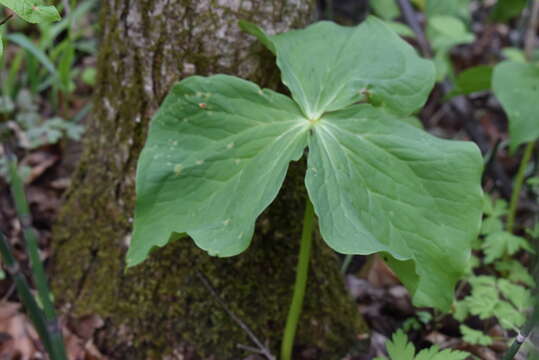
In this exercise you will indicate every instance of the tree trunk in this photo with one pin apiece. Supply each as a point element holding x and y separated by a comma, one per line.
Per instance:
<point>161,309</point>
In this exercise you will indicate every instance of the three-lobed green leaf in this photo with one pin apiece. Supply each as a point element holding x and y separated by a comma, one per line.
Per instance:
<point>219,147</point>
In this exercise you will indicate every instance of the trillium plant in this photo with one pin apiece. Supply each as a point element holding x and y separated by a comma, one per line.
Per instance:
<point>219,148</point>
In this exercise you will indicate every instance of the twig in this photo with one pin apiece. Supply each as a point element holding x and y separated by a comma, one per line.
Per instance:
<point>6,19</point>
<point>249,348</point>
<point>261,348</point>
<point>411,18</point>
<point>529,43</point>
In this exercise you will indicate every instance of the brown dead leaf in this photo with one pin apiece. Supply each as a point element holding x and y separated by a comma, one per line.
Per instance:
<point>21,341</point>
<point>38,162</point>
<point>380,275</point>
<point>86,326</point>
<point>78,338</point>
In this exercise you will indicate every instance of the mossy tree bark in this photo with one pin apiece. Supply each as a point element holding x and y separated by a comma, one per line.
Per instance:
<point>161,309</point>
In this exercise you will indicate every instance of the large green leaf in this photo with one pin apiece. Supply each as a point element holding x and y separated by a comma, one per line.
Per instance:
<point>216,156</point>
<point>219,147</point>
<point>328,67</point>
<point>33,11</point>
<point>378,184</point>
<point>516,85</point>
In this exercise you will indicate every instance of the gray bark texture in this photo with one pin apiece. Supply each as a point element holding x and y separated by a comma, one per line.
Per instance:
<point>161,309</point>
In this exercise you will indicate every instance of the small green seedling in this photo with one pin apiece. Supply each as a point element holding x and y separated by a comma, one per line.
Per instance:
<point>399,348</point>
<point>219,148</point>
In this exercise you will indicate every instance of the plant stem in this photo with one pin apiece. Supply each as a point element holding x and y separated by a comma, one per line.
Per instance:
<point>302,273</point>
<point>519,180</point>
<point>38,271</point>
<point>346,263</point>
<point>6,19</point>
<point>409,15</point>
<point>25,295</point>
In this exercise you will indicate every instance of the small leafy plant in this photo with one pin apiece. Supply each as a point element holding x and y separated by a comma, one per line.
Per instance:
<point>497,287</point>
<point>399,348</point>
<point>40,307</point>
<point>219,147</point>
<point>505,293</point>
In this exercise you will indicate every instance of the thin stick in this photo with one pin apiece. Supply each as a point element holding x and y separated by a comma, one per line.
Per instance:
<point>529,43</point>
<point>411,18</point>
<point>261,348</point>
<point>6,19</point>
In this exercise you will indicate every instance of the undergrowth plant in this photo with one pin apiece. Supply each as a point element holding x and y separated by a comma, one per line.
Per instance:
<point>41,307</point>
<point>42,70</point>
<point>399,348</point>
<point>497,285</point>
<point>219,147</point>
<point>32,11</point>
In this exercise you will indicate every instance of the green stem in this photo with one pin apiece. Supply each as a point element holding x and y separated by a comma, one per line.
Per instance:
<point>25,295</point>
<point>517,186</point>
<point>38,271</point>
<point>302,273</point>
<point>346,263</point>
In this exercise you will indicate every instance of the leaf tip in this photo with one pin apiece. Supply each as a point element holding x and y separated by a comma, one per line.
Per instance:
<point>257,32</point>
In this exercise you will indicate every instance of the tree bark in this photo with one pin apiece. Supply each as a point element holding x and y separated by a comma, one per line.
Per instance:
<point>161,309</point>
